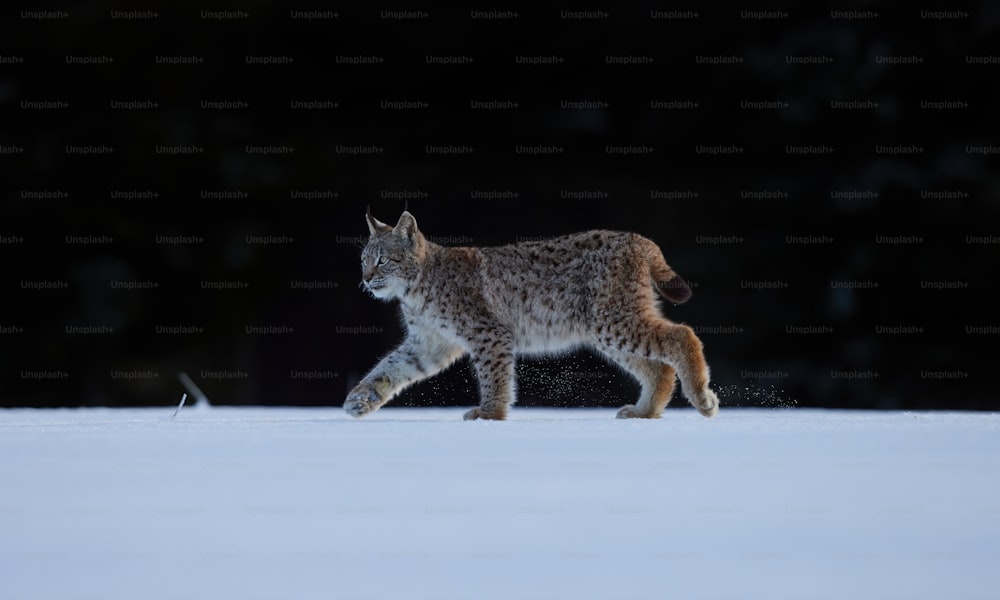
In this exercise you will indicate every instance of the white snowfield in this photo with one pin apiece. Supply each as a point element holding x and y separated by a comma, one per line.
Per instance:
<point>256,503</point>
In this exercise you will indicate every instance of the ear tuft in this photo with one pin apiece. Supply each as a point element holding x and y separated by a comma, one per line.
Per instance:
<point>374,225</point>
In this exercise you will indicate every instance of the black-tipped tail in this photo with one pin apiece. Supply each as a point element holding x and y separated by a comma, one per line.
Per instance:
<point>674,289</point>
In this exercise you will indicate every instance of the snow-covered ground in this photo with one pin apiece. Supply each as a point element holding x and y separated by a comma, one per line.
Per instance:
<point>555,503</point>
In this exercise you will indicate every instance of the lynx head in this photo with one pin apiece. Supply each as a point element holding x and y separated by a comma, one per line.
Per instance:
<point>393,257</point>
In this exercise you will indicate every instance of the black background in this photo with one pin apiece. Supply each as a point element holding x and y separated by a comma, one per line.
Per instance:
<point>779,324</point>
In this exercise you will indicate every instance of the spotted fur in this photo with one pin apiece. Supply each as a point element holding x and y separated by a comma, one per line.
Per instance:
<point>595,289</point>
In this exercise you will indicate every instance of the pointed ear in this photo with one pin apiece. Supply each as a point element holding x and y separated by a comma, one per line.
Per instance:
<point>407,225</point>
<point>374,225</point>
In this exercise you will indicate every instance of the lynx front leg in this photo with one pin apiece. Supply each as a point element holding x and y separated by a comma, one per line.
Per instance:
<point>495,366</point>
<point>418,357</point>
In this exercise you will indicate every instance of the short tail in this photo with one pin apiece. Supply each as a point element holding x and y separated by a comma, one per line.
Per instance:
<point>669,284</point>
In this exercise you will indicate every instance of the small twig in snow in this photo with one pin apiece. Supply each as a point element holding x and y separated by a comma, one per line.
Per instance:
<point>200,399</point>
<point>180,406</point>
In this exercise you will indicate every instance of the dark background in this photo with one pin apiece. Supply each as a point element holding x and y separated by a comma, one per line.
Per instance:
<point>915,233</point>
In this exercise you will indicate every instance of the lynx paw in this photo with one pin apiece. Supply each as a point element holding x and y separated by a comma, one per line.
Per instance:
<point>707,403</point>
<point>630,411</point>
<point>481,413</point>
<point>361,401</point>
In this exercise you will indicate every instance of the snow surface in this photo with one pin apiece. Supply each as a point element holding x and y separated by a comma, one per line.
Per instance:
<point>555,503</point>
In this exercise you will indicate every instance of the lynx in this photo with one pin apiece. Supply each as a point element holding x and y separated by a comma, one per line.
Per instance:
<point>595,289</point>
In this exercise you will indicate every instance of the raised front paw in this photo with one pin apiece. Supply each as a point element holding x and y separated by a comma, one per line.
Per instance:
<point>362,400</point>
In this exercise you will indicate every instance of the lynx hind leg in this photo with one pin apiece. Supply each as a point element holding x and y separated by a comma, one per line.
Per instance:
<point>657,381</point>
<point>657,339</point>
<point>682,348</point>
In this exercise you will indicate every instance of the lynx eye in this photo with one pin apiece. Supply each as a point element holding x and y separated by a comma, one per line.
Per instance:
<point>382,260</point>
